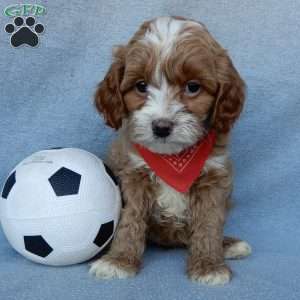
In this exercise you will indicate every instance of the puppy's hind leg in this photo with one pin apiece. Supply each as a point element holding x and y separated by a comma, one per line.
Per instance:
<point>170,237</point>
<point>235,248</point>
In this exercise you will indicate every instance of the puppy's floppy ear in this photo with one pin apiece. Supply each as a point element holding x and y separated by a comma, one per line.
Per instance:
<point>108,98</point>
<point>230,95</point>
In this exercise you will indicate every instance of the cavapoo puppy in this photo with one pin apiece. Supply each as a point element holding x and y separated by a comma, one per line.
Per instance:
<point>173,94</point>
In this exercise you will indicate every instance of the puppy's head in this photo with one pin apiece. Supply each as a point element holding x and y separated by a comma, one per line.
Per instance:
<point>170,84</point>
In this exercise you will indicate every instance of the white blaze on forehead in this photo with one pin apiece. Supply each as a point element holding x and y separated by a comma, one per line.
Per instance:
<point>164,31</point>
<point>163,34</point>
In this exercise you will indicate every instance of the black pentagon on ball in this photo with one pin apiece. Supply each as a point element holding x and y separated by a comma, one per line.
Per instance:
<point>65,182</point>
<point>104,234</point>
<point>10,182</point>
<point>37,245</point>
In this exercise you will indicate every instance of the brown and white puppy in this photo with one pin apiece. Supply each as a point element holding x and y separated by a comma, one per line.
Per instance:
<point>164,90</point>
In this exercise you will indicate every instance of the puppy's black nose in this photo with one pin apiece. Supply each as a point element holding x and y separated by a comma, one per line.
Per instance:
<point>162,127</point>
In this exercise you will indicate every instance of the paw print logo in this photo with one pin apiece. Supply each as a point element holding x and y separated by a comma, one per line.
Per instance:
<point>24,32</point>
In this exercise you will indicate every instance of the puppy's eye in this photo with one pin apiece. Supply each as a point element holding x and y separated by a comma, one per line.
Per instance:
<point>192,88</point>
<point>141,87</point>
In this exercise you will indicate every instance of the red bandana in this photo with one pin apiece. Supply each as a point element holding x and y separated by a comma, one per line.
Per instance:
<point>180,170</point>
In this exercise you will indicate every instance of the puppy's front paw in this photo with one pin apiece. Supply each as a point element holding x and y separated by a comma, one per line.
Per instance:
<point>217,275</point>
<point>105,268</point>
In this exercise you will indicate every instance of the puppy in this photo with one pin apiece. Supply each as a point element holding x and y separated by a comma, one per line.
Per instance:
<point>171,91</point>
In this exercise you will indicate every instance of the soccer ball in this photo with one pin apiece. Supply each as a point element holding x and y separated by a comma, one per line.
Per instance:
<point>60,206</point>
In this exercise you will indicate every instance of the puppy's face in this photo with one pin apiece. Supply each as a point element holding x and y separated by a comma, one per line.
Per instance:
<point>171,83</point>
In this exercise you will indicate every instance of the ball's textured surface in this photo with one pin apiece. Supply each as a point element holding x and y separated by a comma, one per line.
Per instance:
<point>60,206</point>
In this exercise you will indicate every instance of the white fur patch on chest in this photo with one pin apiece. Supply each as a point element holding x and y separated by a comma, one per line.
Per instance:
<point>172,203</point>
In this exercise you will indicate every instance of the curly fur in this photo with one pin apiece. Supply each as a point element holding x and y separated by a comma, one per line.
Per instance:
<point>167,52</point>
